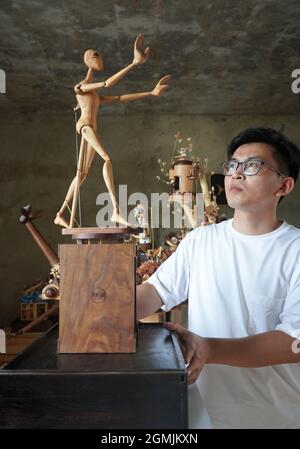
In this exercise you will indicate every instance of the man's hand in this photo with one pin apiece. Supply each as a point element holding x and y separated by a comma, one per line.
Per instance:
<point>140,56</point>
<point>265,349</point>
<point>196,350</point>
<point>161,86</point>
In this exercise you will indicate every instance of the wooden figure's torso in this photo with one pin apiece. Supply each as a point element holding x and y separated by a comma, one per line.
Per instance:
<point>89,104</point>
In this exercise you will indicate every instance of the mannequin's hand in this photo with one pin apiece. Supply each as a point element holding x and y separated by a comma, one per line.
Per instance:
<point>140,56</point>
<point>196,350</point>
<point>161,86</point>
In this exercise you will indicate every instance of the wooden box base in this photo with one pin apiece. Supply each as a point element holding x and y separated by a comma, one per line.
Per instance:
<point>97,305</point>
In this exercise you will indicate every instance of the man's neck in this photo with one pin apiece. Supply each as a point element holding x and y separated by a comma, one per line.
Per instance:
<point>255,223</point>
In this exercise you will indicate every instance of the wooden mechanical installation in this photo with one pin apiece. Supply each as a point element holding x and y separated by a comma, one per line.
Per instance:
<point>183,174</point>
<point>97,288</point>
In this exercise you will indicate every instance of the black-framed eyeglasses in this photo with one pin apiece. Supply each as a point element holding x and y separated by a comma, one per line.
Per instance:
<point>250,167</point>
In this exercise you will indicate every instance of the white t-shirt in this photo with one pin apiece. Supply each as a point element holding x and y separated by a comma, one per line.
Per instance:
<point>240,285</point>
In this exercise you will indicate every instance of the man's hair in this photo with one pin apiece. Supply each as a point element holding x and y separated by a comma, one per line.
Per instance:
<point>286,153</point>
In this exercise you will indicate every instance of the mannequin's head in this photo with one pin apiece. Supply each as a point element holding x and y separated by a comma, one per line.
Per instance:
<point>93,60</point>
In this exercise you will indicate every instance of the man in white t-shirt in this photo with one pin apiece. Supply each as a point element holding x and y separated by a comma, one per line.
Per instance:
<point>242,281</point>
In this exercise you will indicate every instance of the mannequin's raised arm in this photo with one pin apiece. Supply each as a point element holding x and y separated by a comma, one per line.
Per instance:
<point>140,56</point>
<point>124,98</point>
<point>114,79</point>
<point>82,88</point>
<point>160,87</point>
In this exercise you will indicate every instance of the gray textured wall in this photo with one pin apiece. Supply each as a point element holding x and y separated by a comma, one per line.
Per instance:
<point>38,162</point>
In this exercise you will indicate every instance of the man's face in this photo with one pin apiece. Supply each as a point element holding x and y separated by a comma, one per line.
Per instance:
<point>251,193</point>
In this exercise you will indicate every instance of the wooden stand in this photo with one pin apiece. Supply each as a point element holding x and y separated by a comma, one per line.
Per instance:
<point>97,306</point>
<point>41,389</point>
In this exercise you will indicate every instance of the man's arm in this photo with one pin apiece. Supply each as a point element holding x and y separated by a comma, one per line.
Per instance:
<point>148,300</point>
<point>268,348</point>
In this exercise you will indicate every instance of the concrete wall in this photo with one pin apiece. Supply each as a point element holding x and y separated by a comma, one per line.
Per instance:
<point>38,162</point>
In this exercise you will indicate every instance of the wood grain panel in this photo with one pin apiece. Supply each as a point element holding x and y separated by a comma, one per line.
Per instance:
<point>97,306</point>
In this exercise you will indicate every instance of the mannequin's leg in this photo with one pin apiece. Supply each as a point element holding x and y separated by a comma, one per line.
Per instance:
<point>80,166</point>
<point>88,159</point>
<point>93,139</point>
<point>90,153</point>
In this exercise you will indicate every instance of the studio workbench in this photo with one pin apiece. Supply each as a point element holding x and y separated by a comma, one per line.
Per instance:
<point>42,389</point>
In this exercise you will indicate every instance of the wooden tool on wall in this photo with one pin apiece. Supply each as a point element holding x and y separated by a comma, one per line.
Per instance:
<point>26,218</point>
<point>27,215</point>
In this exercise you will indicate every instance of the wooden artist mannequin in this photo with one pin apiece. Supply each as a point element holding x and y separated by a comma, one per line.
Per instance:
<point>89,102</point>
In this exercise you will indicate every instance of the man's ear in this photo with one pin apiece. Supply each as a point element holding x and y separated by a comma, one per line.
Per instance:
<point>287,186</point>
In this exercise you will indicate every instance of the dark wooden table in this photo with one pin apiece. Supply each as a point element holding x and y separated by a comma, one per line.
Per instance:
<point>143,390</point>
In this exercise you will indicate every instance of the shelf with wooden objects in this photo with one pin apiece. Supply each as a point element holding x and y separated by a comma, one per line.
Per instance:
<point>16,343</point>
